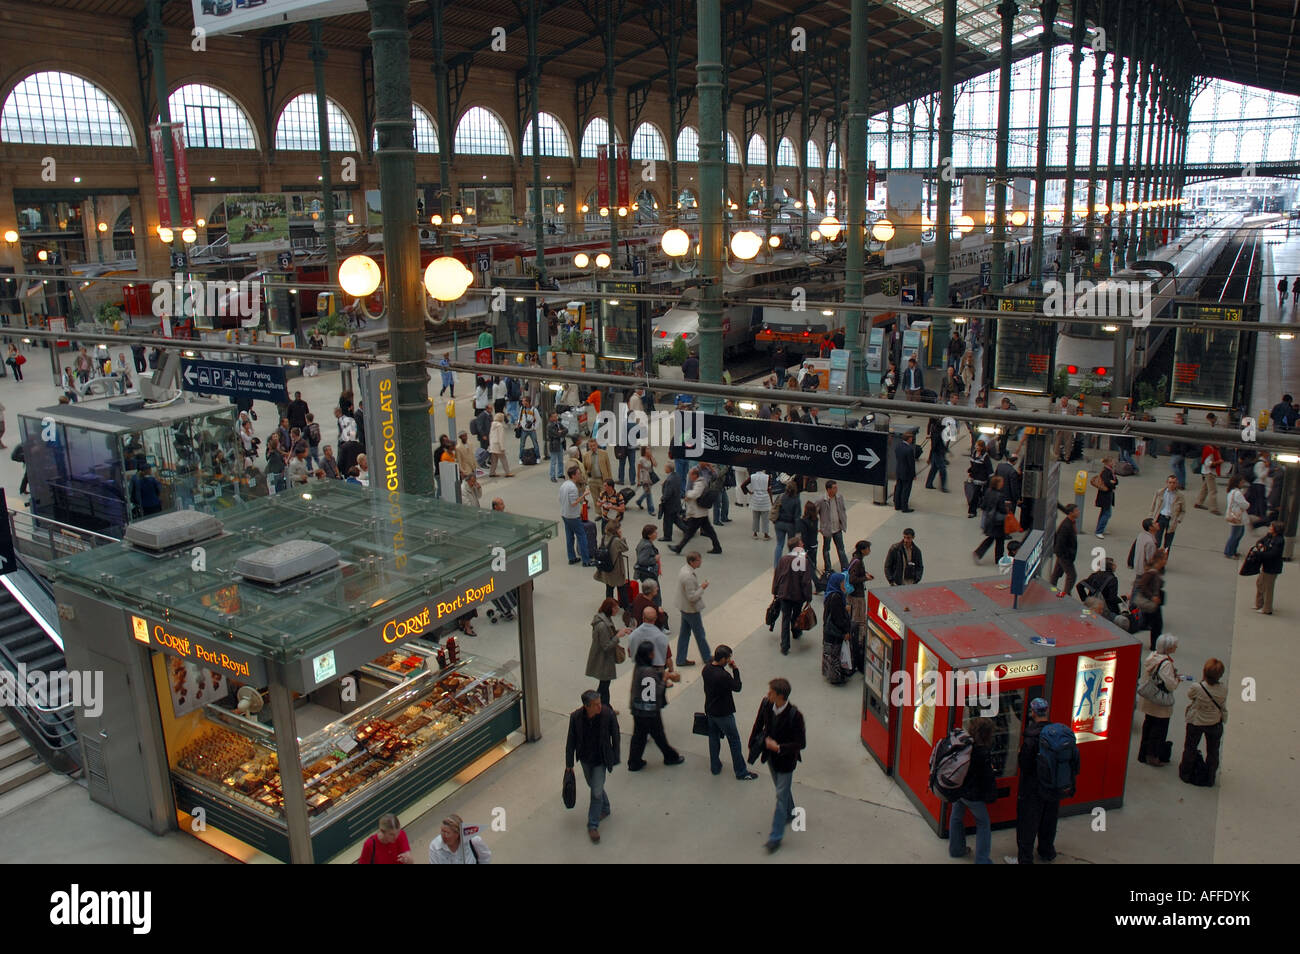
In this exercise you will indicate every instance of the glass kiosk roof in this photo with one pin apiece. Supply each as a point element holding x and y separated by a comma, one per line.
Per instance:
<point>392,553</point>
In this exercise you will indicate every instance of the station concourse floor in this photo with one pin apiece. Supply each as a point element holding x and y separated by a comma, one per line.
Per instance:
<point>854,812</point>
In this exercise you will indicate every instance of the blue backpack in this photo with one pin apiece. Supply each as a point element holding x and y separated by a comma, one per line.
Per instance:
<point>1058,761</point>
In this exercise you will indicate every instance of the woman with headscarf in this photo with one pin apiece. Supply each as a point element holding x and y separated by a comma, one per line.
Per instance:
<point>837,626</point>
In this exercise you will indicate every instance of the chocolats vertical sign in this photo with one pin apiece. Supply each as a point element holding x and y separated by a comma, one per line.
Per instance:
<point>384,450</point>
<point>805,449</point>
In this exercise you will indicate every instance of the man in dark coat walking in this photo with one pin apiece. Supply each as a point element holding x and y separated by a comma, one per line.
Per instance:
<point>904,471</point>
<point>779,738</point>
<point>594,741</point>
<point>670,502</point>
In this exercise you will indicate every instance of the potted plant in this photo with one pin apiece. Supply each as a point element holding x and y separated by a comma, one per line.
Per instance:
<point>109,314</point>
<point>333,329</point>
<point>669,361</point>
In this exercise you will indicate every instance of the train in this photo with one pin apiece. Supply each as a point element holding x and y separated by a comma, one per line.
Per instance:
<point>1147,289</point>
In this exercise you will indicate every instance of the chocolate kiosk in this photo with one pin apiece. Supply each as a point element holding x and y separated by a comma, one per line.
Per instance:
<point>278,678</point>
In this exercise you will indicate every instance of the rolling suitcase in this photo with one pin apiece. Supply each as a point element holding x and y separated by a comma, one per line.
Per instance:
<point>593,540</point>
<point>529,457</point>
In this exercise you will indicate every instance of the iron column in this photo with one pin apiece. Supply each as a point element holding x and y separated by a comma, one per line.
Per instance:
<point>1007,10</point>
<point>856,191</point>
<point>1072,137</point>
<point>1040,170</point>
<point>712,156</point>
<point>943,214</point>
<point>326,176</point>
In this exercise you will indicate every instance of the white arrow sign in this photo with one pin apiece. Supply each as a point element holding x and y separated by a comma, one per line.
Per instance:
<point>870,457</point>
<point>189,375</point>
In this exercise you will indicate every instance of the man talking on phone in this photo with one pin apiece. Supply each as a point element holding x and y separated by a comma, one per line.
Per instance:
<point>720,708</point>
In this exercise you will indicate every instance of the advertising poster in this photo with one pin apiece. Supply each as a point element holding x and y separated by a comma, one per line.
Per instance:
<point>232,16</point>
<point>257,222</point>
<point>903,208</point>
<point>923,716</point>
<point>192,686</point>
<point>494,205</point>
<point>374,209</point>
<point>1094,694</point>
<point>602,177</point>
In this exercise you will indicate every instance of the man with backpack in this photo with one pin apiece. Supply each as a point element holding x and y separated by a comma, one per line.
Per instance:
<point>528,422</point>
<point>1049,764</point>
<point>705,486</point>
<point>961,772</point>
<point>514,393</point>
<point>313,440</point>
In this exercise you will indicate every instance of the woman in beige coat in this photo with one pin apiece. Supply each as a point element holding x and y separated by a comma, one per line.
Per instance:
<point>497,446</point>
<point>1207,713</point>
<point>1158,667</point>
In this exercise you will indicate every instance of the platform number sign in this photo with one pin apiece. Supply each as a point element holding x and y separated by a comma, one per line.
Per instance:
<point>178,261</point>
<point>483,261</point>
<point>284,260</point>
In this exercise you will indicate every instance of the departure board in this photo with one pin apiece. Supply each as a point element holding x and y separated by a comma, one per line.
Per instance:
<point>1024,350</point>
<point>1205,359</point>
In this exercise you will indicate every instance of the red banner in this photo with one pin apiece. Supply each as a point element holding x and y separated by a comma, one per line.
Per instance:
<point>182,176</point>
<point>624,200</point>
<point>160,175</point>
<point>602,176</point>
<point>871,179</point>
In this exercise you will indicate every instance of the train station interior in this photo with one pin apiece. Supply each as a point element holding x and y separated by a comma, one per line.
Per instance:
<point>816,246</point>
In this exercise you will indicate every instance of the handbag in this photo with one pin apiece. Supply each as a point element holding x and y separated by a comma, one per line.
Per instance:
<point>700,725</point>
<point>1153,689</point>
<point>807,618</point>
<point>969,487</point>
<point>654,477</point>
<point>773,613</point>
<point>519,432</point>
<point>569,789</point>
<point>1010,524</point>
<point>1097,482</point>
<point>620,653</point>
<point>1251,565</point>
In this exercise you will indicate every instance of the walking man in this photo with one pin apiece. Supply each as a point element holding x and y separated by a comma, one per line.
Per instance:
<point>832,521</point>
<point>1167,508</point>
<point>1210,460</point>
<point>792,584</point>
<point>690,599</point>
<point>903,563</point>
<point>594,740</point>
<point>1066,548</point>
<point>698,505</point>
<point>904,474</point>
<point>527,424</point>
<point>778,738</point>
<point>555,434</point>
<point>670,502</point>
<point>720,708</point>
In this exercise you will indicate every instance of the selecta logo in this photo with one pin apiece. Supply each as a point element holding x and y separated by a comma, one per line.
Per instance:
<point>1001,671</point>
<point>1015,670</point>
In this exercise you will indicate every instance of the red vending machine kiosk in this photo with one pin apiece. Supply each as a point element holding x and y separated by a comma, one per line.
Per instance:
<point>990,660</point>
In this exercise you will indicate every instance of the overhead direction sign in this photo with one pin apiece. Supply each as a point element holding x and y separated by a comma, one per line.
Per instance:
<point>263,382</point>
<point>806,449</point>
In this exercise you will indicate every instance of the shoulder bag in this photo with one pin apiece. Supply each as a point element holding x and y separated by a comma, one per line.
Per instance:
<point>1153,688</point>
<point>700,725</point>
<point>807,618</point>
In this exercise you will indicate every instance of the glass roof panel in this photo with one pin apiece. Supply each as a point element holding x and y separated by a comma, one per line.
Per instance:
<point>978,21</point>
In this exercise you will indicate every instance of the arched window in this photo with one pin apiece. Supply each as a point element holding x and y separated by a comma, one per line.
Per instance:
<point>814,155</point>
<point>756,152</point>
<point>63,110</point>
<point>554,140</point>
<point>647,208</point>
<point>785,154</point>
<point>733,150</point>
<point>1252,146</point>
<point>830,202</point>
<point>1225,147</point>
<point>832,159</point>
<point>1198,147</point>
<point>426,134</point>
<point>596,134</point>
<point>811,201</point>
<point>648,143</point>
<point>688,145</point>
<point>297,127</point>
<point>1279,144</point>
<point>212,119</point>
<point>878,152</point>
<point>481,133</point>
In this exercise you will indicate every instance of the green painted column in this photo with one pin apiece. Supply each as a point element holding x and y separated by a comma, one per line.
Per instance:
<point>713,147</point>
<point>1072,134</point>
<point>940,325</point>
<point>805,76</point>
<point>1091,219</point>
<point>1121,251</point>
<point>1139,179</point>
<point>539,224</point>
<point>404,294</point>
<point>317,56</point>
<point>1040,167</point>
<point>1117,82</point>
<point>855,193</point>
<point>769,115</point>
<point>611,87</point>
<point>442,93</point>
<point>1007,10</point>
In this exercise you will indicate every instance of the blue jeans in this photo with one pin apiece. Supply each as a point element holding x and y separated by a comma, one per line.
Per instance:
<point>784,801</point>
<point>957,831</point>
<point>573,528</point>
<point>722,509</point>
<point>827,539</point>
<point>557,465</point>
<point>524,438</point>
<point>648,499</point>
<point>683,470</point>
<point>1234,537</point>
<point>1178,467</point>
<point>622,468</point>
<point>1127,457</point>
<point>780,545</point>
<point>692,622</point>
<point>718,727</point>
<point>512,412</point>
<point>595,776</point>
<point>1103,518</point>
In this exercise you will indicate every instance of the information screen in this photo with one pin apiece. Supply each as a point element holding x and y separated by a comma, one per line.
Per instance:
<point>1205,360</point>
<point>1024,350</point>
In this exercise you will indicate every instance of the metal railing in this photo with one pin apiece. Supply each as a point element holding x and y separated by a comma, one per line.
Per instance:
<point>41,539</point>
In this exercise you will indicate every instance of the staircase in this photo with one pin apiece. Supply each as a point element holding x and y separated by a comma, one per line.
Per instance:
<point>19,763</point>
<point>23,641</point>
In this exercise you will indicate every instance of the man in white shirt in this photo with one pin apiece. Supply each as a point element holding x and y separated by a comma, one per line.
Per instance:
<point>347,426</point>
<point>571,515</point>
<point>649,630</point>
<point>690,606</point>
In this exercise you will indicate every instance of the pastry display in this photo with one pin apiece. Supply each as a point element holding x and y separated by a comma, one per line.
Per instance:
<point>349,760</point>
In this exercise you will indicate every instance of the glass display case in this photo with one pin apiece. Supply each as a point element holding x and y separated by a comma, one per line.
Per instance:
<point>82,462</point>
<point>421,710</point>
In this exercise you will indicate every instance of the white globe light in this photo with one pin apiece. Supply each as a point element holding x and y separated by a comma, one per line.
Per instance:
<point>165,235</point>
<point>622,211</point>
<point>774,241</point>
<point>604,211</point>
<point>676,243</point>
<point>926,221</point>
<point>814,236</point>
<point>435,219</point>
<point>359,275</point>
<point>1019,218</point>
<point>189,236</point>
<point>581,260</point>
<point>602,260</point>
<point>559,208</point>
<point>446,278</point>
<point>830,227</point>
<point>965,223</point>
<point>457,218</point>
<point>745,244</point>
<point>883,230</point>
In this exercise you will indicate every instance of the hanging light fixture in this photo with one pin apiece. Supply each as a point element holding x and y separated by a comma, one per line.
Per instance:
<point>964,224</point>
<point>103,226</point>
<point>675,243</point>
<point>359,275</point>
<point>603,260</point>
<point>165,235</point>
<point>189,236</point>
<point>581,260</point>
<point>814,236</point>
<point>883,230</point>
<point>202,222</point>
<point>774,241</point>
<point>604,211</point>
<point>745,244</point>
<point>11,236</point>
<point>559,208</point>
<point>829,227</point>
<point>1019,218</point>
<point>446,278</point>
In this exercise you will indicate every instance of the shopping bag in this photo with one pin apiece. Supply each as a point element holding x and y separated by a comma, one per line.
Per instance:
<point>846,657</point>
<point>1011,525</point>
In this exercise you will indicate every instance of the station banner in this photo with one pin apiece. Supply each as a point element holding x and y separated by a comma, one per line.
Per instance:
<point>160,175</point>
<point>602,176</point>
<point>871,180</point>
<point>215,17</point>
<point>624,190</point>
<point>903,208</point>
<point>257,222</point>
<point>974,199</point>
<point>1020,195</point>
<point>182,176</point>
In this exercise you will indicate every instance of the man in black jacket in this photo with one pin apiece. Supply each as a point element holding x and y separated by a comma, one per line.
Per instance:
<point>670,502</point>
<point>1066,547</point>
<point>297,412</point>
<point>903,561</point>
<point>904,471</point>
<point>1035,814</point>
<point>594,740</point>
<point>1104,585</point>
<point>778,738</point>
<point>720,708</point>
